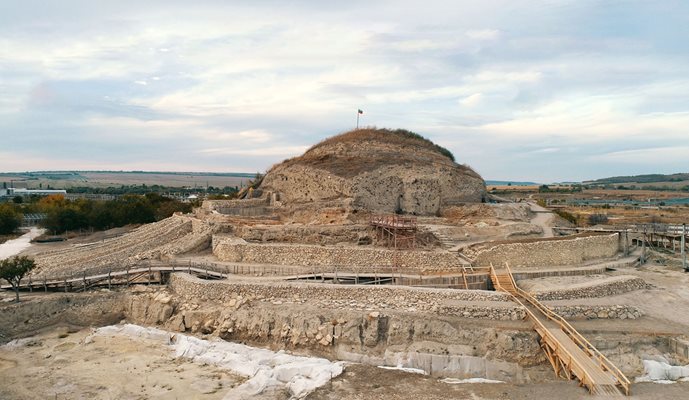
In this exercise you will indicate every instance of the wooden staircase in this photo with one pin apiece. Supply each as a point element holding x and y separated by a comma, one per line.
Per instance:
<point>570,354</point>
<point>502,281</point>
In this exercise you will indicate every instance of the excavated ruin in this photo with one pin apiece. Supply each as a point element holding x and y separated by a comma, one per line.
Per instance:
<point>376,170</point>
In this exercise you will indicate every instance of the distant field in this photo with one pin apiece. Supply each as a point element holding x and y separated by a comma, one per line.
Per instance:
<point>524,188</point>
<point>677,184</point>
<point>66,180</point>
<point>513,188</point>
<point>631,194</point>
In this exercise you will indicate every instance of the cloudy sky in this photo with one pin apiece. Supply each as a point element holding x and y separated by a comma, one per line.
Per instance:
<point>522,90</point>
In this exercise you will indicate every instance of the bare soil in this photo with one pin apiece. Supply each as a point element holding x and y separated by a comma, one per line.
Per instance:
<point>367,382</point>
<point>62,365</point>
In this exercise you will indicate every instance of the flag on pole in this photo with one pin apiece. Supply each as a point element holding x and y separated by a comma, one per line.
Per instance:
<point>360,112</point>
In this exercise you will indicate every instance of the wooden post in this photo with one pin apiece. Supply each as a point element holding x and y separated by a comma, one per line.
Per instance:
<point>149,275</point>
<point>30,287</point>
<point>84,281</point>
<point>126,277</point>
<point>109,278</point>
<point>65,285</point>
<point>45,285</point>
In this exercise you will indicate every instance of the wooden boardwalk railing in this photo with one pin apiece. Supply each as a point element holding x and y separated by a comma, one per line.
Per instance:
<point>156,271</point>
<point>570,354</point>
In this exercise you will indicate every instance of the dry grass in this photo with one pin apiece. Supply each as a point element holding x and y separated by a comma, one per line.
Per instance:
<point>628,215</point>
<point>350,165</point>
<point>641,195</point>
<point>513,188</point>
<point>400,137</point>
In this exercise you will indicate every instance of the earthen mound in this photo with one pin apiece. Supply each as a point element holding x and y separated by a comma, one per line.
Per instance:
<point>376,170</point>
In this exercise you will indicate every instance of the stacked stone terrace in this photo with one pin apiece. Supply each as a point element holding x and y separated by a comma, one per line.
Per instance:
<point>551,252</point>
<point>175,235</point>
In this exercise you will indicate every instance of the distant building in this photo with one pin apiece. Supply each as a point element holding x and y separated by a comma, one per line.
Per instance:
<point>90,196</point>
<point>12,192</point>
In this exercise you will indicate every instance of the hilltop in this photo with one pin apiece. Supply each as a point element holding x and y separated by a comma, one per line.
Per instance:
<point>647,178</point>
<point>378,170</point>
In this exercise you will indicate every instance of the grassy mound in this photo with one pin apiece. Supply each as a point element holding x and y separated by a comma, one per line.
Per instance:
<point>401,137</point>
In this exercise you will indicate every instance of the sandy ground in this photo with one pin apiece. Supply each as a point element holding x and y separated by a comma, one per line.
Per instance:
<point>366,382</point>
<point>569,282</point>
<point>58,365</point>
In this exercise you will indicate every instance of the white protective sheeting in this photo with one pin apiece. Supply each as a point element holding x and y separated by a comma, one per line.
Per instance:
<point>267,370</point>
<point>15,246</point>
<point>663,372</point>
<point>405,369</point>
<point>455,381</point>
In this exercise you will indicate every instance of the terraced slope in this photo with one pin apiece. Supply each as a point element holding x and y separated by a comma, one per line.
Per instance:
<point>175,235</point>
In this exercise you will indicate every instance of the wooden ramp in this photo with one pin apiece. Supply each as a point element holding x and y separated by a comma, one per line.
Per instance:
<point>570,354</point>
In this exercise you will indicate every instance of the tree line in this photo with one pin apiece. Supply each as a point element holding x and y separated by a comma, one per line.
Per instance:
<point>69,215</point>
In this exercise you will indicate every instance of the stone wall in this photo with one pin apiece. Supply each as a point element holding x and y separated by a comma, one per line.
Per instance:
<point>549,253</point>
<point>441,301</point>
<point>245,208</point>
<point>307,234</point>
<point>233,249</point>
<point>608,287</point>
<point>598,312</point>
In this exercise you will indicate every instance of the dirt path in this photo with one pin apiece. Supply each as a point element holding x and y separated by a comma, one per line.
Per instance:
<point>542,218</point>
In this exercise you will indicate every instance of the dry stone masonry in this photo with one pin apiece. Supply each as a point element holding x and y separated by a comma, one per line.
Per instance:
<point>548,253</point>
<point>354,297</point>
<point>595,288</point>
<point>598,312</point>
<point>233,249</point>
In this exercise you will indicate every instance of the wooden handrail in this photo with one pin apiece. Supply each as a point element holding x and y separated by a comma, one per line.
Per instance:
<point>578,338</point>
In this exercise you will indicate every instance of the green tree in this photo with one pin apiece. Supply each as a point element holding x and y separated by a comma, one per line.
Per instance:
<point>13,270</point>
<point>10,219</point>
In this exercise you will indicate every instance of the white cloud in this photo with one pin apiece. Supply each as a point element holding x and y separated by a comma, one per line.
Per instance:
<point>471,101</point>
<point>281,151</point>
<point>484,34</point>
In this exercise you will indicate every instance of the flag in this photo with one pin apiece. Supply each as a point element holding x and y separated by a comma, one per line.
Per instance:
<point>361,112</point>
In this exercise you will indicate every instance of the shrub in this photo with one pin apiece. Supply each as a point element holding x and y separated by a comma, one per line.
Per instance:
<point>10,219</point>
<point>595,219</point>
<point>567,216</point>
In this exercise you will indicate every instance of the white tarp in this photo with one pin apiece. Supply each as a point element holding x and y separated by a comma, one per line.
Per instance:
<point>455,381</point>
<point>16,246</point>
<point>266,369</point>
<point>663,372</point>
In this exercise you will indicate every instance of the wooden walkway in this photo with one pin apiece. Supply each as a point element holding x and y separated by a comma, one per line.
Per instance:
<point>570,354</point>
<point>142,274</point>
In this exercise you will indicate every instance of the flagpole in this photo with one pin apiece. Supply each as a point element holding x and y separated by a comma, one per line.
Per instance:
<point>357,119</point>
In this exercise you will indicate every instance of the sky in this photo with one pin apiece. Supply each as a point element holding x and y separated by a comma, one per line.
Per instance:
<point>537,90</point>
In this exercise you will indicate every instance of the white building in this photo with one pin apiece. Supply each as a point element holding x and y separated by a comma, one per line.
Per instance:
<point>11,192</point>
